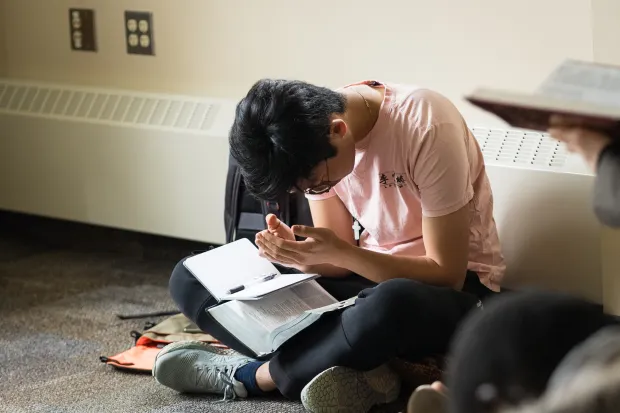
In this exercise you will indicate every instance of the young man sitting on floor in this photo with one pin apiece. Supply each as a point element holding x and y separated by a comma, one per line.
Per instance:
<point>403,162</point>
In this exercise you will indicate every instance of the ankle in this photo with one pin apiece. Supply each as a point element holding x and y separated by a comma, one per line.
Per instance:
<point>264,380</point>
<point>256,384</point>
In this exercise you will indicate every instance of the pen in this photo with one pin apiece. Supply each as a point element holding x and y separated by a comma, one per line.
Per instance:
<point>257,281</point>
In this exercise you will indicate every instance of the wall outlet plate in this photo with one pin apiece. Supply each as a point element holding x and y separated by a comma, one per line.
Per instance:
<point>139,33</point>
<point>82,30</point>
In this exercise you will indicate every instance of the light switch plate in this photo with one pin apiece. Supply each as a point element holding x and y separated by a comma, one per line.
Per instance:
<point>82,30</point>
<point>139,33</point>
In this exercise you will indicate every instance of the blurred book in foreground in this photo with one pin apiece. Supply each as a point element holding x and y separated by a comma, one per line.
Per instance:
<point>588,93</point>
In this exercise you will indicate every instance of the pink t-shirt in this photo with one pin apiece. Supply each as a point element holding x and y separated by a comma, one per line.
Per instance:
<point>420,159</point>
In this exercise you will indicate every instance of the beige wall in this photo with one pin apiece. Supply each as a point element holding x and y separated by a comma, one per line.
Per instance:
<point>220,47</point>
<point>3,54</point>
<point>606,30</point>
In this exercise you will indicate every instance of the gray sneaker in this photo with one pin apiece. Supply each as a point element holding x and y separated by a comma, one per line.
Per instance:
<point>343,390</point>
<point>195,367</point>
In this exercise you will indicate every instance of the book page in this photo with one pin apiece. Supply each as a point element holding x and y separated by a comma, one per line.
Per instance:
<point>584,82</point>
<point>270,314</point>
<point>281,307</point>
<point>285,332</point>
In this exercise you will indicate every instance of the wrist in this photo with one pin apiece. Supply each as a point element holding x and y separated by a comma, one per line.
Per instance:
<point>345,253</point>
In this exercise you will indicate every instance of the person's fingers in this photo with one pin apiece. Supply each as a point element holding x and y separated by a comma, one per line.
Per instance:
<point>270,258</point>
<point>568,135</point>
<point>556,132</point>
<point>565,121</point>
<point>274,258</point>
<point>292,246</point>
<point>308,232</point>
<point>277,227</point>
<point>276,252</point>
<point>275,261</point>
<point>266,246</point>
<point>262,253</point>
<point>272,222</point>
<point>259,234</point>
<point>573,136</point>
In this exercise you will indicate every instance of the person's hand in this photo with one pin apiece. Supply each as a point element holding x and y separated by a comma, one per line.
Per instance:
<point>276,228</point>
<point>587,143</point>
<point>279,228</point>
<point>321,246</point>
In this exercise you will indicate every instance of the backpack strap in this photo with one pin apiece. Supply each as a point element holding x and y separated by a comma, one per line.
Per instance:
<point>231,199</point>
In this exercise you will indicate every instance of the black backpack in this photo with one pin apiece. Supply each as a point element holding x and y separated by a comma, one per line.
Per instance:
<point>244,215</point>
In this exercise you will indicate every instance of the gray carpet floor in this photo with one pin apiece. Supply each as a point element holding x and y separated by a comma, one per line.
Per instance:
<point>58,307</point>
<point>58,315</point>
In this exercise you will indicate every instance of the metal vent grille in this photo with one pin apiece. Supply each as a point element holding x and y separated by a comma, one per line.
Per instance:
<point>520,148</point>
<point>126,108</point>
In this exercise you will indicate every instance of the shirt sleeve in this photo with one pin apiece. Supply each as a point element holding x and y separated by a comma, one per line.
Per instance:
<point>441,170</point>
<point>607,186</point>
<point>320,197</point>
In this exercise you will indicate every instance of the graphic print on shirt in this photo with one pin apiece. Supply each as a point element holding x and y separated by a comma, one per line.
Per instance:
<point>391,179</point>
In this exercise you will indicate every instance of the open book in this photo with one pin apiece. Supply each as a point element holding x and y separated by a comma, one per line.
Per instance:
<point>257,304</point>
<point>587,92</point>
<point>264,325</point>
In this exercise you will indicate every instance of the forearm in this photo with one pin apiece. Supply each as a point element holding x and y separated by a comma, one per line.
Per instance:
<point>380,267</point>
<point>607,186</point>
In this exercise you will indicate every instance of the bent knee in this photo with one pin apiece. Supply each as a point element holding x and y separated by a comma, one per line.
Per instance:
<point>185,290</point>
<point>190,296</point>
<point>396,296</point>
<point>399,289</point>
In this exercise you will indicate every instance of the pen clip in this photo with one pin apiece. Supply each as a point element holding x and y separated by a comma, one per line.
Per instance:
<point>266,277</point>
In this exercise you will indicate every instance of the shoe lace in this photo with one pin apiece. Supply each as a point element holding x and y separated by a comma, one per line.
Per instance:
<point>218,379</point>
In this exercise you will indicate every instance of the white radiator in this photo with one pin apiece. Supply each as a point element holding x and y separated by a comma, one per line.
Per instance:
<point>157,164</point>
<point>543,209</point>
<point>146,162</point>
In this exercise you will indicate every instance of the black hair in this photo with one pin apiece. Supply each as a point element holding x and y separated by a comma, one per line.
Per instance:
<point>512,347</point>
<point>281,133</point>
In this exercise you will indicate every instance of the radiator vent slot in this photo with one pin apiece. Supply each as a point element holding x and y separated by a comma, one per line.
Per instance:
<point>121,108</point>
<point>520,148</point>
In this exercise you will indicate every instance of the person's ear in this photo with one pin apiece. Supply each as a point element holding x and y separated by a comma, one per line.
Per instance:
<point>338,128</point>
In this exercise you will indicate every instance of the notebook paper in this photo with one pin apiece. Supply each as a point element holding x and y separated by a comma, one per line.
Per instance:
<point>229,266</point>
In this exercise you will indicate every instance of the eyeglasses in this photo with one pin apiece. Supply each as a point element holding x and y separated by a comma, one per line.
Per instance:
<point>323,187</point>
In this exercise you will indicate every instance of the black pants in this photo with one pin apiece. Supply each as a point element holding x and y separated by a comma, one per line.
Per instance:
<point>506,354</point>
<point>397,318</point>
